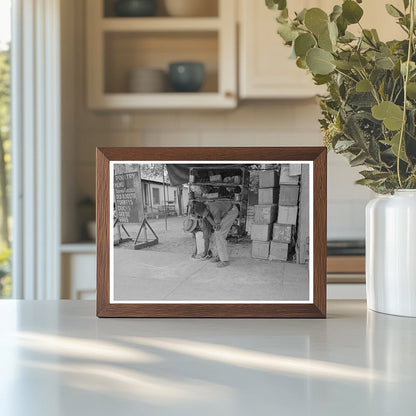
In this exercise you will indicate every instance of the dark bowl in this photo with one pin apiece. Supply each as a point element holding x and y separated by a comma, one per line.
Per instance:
<point>186,76</point>
<point>135,8</point>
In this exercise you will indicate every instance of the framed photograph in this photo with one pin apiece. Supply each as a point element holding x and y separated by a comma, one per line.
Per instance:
<point>211,232</point>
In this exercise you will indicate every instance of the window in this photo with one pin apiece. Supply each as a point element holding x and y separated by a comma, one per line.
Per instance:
<point>5,159</point>
<point>156,196</point>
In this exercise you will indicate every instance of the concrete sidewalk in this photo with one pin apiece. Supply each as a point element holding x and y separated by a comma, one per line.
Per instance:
<point>158,275</point>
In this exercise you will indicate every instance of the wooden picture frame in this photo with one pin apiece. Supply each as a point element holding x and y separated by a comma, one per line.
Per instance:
<point>313,307</point>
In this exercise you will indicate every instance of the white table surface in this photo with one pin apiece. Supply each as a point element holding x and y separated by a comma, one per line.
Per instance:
<point>57,358</point>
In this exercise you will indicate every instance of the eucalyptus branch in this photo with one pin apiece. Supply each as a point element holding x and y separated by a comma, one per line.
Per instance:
<point>346,75</point>
<point>392,90</point>
<point>406,80</point>
<point>373,88</point>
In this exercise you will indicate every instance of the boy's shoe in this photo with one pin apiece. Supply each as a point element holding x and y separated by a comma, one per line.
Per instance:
<point>215,260</point>
<point>223,264</point>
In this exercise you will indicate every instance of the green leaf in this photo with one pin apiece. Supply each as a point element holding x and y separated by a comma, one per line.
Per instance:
<point>351,11</point>
<point>374,175</point>
<point>375,35</point>
<point>354,132</point>
<point>320,61</point>
<point>394,144</point>
<point>303,43</point>
<point>336,12</point>
<point>358,61</point>
<point>374,150</point>
<point>343,145</point>
<point>301,63</point>
<point>333,32</point>
<point>368,36</point>
<point>412,67</point>
<point>358,160</point>
<point>301,15</point>
<point>344,65</point>
<point>411,90</point>
<point>384,62</point>
<point>325,42</point>
<point>316,20</point>
<point>388,112</point>
<point>406,4</point>
<point>276,4</point>
<point>363,86</point>
<point>287,33</point>
<point>321,79</point>
<point>347,37</point>
<point>365,182</point>
<point>393,11</point>
<point>342,25</point>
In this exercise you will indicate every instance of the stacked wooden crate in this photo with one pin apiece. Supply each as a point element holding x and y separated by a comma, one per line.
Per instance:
<point>285,228</point>
<point>265,214</point>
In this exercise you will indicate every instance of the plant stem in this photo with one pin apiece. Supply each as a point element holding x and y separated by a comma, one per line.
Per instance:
<point>406,80</point>
<point>346,75</point>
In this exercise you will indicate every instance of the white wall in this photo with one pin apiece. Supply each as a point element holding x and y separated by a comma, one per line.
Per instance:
<point>256,123</point>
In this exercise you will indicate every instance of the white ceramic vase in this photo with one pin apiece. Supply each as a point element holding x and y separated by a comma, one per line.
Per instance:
<point>391,253</point>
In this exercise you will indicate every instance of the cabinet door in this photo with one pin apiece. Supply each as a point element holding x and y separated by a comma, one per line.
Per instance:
<point>78,276</point>
<point>265,68</point>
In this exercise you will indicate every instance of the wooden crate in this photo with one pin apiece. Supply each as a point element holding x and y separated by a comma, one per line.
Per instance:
<point>289,195</point>
<point>250,219</point>
<point>261,232</point>
<point>279,251</point>
<point>283,233</point>
<point>265,214</point>
<point>285,177</point>
<point>287,215</point>
<point>268,179</point>
<point>260,249</point>
<point>295,169</point>
<point>268,196</point>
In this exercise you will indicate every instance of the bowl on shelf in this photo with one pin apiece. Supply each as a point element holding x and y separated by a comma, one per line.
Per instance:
<point>147,80</point>
<point>191,8</point>
<point>135,8</point>
<point>186,76</point>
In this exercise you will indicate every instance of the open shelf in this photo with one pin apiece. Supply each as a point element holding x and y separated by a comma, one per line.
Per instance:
<point>168,100</point>
<point>116,46</point>
<point>210,9</point>
<point>80,247</point>
<point>126,51</point>
<point>160,24</point>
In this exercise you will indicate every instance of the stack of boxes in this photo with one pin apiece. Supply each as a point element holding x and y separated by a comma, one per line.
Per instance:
<point>275,217</point>
<point>265,214</point>
<point>285,227</point>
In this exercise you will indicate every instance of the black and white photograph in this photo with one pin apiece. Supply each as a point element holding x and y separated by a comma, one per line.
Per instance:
<point>211,232</point>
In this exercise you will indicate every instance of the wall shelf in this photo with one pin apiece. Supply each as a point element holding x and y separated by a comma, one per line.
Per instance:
<point>81,247</point>
<point>166,100</point>
<point>160,24</point>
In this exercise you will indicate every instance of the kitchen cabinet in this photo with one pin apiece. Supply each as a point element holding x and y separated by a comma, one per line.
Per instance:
<point>265,69</point>
<point>78,281</point>
<point>118,45</point>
